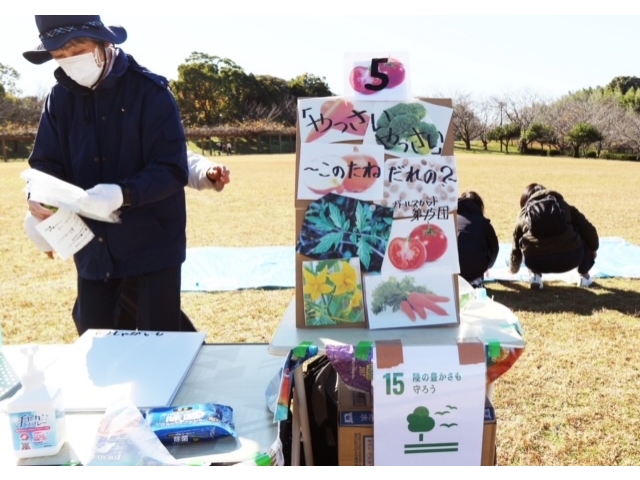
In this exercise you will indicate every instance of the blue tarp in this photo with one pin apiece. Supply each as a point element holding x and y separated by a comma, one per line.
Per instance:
<point>209,269</point>
<point>616,258</point>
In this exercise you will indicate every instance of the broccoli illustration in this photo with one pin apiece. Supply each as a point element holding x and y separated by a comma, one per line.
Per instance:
<point>405,122</point>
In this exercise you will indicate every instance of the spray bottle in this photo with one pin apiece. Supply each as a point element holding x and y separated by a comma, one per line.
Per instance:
<point>36,414</point>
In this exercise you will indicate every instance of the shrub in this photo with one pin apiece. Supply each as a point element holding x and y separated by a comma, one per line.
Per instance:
<point>591,154</point>
<point>618,156</point>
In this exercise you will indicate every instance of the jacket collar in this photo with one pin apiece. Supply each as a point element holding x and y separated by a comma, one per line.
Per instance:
<point>467,205</point>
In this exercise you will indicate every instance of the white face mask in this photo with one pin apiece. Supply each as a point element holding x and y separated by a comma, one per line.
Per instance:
<point>84,69</point>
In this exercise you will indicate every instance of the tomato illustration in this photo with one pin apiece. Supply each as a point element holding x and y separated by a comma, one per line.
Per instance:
<point>407,253</point>
<point>363,172</point>
<point>432,238</point>
<point>394,70</point>
<point>361,76</point>
<point>318,175</point>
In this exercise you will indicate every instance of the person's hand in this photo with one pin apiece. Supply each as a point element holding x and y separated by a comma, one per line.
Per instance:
<point>219,176</point>
<point>103,200</point>
<point>39,211</point>
<point>30,222</point>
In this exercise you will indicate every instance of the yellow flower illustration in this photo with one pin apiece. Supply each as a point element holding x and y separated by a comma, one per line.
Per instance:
<point>356,300</point>
<point>346,280</point>
<point>316,285</point>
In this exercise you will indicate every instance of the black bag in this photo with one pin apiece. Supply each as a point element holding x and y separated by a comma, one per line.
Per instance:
<point>545,217</point>
<point>321,386</point>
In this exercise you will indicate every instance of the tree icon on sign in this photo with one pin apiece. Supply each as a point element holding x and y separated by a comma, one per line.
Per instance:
<point>420,421</point>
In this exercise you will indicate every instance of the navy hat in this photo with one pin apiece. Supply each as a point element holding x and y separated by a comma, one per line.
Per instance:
<point>57,30</point>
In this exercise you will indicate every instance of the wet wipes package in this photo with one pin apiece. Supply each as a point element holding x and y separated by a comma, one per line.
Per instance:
<point>191,423</point>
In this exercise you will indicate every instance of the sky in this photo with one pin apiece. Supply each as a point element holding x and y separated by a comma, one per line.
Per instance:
<point>478,54</point>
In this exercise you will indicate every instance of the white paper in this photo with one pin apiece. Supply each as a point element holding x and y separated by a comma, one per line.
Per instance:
<point>144,367</point>
<point>49,190</point>
<point>65,232</point>
<point>429,410</point>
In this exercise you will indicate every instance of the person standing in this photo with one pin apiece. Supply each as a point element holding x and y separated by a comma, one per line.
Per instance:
<point>112,128</point>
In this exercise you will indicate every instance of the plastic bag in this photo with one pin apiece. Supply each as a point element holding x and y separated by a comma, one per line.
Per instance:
<point>124,438</point>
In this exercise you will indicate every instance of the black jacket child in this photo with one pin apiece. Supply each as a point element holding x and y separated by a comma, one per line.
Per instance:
<point>477,241</point>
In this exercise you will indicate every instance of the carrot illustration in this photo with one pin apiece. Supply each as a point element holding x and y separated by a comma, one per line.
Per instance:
<point>406,308</point>
<point>436,298</point>
<point>416,298</point>
<point>419,309</point>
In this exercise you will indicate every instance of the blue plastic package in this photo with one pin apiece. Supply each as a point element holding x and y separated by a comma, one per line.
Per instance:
<point>191,423</point>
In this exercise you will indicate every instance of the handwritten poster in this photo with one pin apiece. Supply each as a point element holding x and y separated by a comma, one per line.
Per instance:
<point>350,170</point>
<point>65,232</point>
<point>429,409</point>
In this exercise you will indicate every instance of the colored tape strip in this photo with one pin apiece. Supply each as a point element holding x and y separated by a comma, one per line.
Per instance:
<point>494,349</point>
<point>363,350</point>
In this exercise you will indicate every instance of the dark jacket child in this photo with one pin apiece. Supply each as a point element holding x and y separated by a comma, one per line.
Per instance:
<point>552,237</point>
<point>477,240</point>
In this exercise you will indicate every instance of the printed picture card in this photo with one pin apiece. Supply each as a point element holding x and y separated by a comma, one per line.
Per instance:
<point>406,300</point>
<point>377,76</point>
<point>328,120</point>
<point>421,185</point>
<point>409,128</point>
<point>339,227</point>
<point>422,244</point>
<point>332,292</point>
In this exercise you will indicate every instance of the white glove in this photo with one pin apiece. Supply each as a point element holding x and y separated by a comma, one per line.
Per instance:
<point>102,200</point>
<point>30,223</point>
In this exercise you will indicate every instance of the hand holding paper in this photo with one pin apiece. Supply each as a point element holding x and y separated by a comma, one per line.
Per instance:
<point>30,223</point>
<point>48,190</point>
<point>102,200</point>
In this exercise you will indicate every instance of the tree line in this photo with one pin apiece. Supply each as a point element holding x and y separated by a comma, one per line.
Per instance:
<point>600,122</point>
<point>214,93</point>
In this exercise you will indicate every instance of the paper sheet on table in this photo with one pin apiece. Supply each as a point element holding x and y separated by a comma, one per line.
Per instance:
<point>49,190</point>
<point>65,232</point>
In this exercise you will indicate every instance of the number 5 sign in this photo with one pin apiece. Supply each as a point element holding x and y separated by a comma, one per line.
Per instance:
<point>377,76</point>
<point>428,404</point>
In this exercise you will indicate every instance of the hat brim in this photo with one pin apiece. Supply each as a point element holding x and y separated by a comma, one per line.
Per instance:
<point>41,53</point>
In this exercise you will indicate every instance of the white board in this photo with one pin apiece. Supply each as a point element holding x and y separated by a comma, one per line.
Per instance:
<point>103,366</point>
<point>429,409</point>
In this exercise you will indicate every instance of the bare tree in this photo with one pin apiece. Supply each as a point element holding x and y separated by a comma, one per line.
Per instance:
<point>522,109</point>
<point>465,122</point>
<point>487,119</point>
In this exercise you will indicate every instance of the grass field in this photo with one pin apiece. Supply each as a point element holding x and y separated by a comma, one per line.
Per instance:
<point>572,398</point>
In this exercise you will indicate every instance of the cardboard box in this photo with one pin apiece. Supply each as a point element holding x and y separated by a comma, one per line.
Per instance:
<point>355,429</point>
<point>489,435</point>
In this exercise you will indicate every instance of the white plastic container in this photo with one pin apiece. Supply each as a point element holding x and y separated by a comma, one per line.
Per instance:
<point>36,415</point>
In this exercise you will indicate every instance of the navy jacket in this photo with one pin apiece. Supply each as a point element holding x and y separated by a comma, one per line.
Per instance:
<point>477,241</point>
<point>126,131</point>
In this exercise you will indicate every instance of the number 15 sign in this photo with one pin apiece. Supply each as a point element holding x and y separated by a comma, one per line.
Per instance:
<point>428,404</point>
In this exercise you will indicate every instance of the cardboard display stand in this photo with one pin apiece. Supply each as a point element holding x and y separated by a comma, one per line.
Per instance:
<point>376,259</point>
<point>302,205</point>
